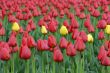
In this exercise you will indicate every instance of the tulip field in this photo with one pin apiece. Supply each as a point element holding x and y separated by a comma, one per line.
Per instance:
<point>54,36</point>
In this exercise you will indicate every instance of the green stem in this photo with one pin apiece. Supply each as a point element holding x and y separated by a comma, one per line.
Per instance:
<point>12,64</point>
<point>5,70</point>
<point>42,64</point>
<point>27,67</point>
<point>53,67</point>
<point>33,64</point>
<point>82,63</point>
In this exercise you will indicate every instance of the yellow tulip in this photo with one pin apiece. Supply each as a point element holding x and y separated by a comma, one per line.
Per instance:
<point>15,26</point>
<point>107,29</point>
<point>90,38</point>
<point>63,30</point>
<point>43,30</point>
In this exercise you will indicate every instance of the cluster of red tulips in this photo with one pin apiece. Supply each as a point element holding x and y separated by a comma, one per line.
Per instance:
<point>69,25</point>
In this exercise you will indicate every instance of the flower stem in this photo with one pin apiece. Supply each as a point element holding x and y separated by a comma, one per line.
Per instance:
<point>33,64</point>
<point>42,64</point>
<point>27,67</point>
<point>53,67</point>
<point>12,64</point>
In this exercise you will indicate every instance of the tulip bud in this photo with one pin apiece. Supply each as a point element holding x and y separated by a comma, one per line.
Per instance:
<point>57,55</point>
<point>63,30</point>
<point>63,42</point>
<point>15,26</point>
<point>51,41</point>
<point>101,35</point>
<point>79,44</point>
<point>70,50</point>
<point>25,52</point>
<point>43,30</point>
<point>102,53</point>
<point>107,29</point>
<point>90,38</point>
<point>4,54</point>
<point>42,45</point>
<point>105,61</point>
<point>101,24</point>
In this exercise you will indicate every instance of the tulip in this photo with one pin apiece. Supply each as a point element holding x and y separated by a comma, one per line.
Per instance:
<point>63,42</point>
<point>91,28</point>
<point>107,29</point>
<point>75,34</point>
<point>30,41</point>
<point>79,44</point>
<point>87,23</point>
<point>25,52</point>
<point>43,30</point>
<point>57,55</point>
<point>28,28</point>
<point>4,54</point>
<point>2,31</point>
<point>32,25</point>
<point>15,49</point>
<point>12,41</point>
<point>63,30</point>
<point>83,36</point>
<point>15,26</point>
<point>90,38</point>
<point>65,23</point>
<point>107,44</point>
<point>101,35</point>
<point>101,24</point>
<point>74,23</point>
<point>70,50</point>
<point>51,41</point>
<point>42,45</point>
<point>105,61</point>
<point>52,27</point>
<point>102,53</point>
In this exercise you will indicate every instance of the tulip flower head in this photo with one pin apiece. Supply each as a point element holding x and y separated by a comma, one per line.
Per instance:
<point>63,30</point>
<point>90,38</point>
<point>107,29</point>
<point>43,30</point>
<point>15,26</point>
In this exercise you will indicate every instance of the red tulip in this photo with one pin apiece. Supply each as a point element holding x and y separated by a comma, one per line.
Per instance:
<point>24,41</point>
<point>79,44</point>
<point>83,36</point>
<point>32,25</point>
<point>101,35</point>
<point>51,41</point>
<point>57,55</point>
<point>104,16</point>
<point>65,23</point>
<point>12,41</point>
<point>63,42</point>
<point>30,41</point>
<point>4,54</point>
<point>21,29</point>
<point>2,31</point>
<point>87,23</point>
<point>107,44</point>
<point>75,34</point>
<point>52,26</point>
<point>15,49</point>
<point>102,53</point>
<point>25,52</point>
<point>105,61</point>
<point>74,23</point>
<point>70,50</point>
<point>91,29</point>
<point>42,45</point>
<point>101,24</point>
